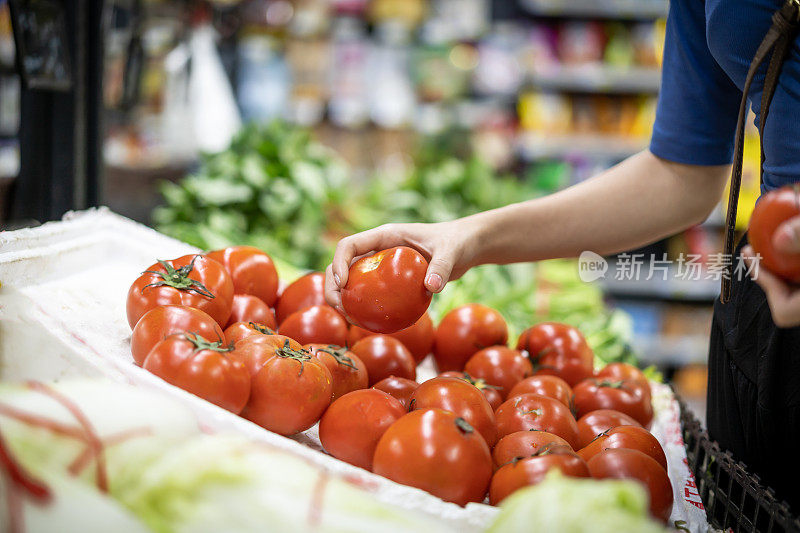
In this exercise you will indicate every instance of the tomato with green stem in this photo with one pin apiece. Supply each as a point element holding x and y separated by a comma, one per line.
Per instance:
<point>400,388</point>
<point>596,422</point>
<point>627,372</point>
<point>624,396</point>
<point>256,350</point>
<point>558,350</point>
<point>630,437</point>
<point>165,320</point>
<point>240,330</point>
<point>318,324</point>
<point>490,391</point>
<point>523,444</point>
<point>464,331</point>
<point>205,368</point>
<point>252,272</point>
<point>348,372</point>
<point>192,280</point>
<point>438,452</point>
<point>532,411</point>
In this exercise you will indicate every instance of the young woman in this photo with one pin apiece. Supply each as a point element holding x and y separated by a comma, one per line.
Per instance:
<point>754,360</point>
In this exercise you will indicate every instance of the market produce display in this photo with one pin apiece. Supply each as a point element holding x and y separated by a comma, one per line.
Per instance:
<point>495,421</point>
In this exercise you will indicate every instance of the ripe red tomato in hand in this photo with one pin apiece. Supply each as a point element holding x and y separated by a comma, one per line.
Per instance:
<point>460,398</point>
<point>160,322</point>
<point>289,393</point>
<point>400,388</point>
<point>251,270</point>
<point>417,338</point>
<point>523,444</point>
<point>625,371</point>
<point>558,350</point>
<point>499,366</point>
<point>206,369</point>
<point>352,426</point>
<point>304,292</point>
<point>490,391</point>
<point>596,422</point>
<point>550,386</point>
<point>533,469</point>
<point>385,292</point>
<point>385,356</point>
<point>192,280</point>
<point>318,324</point>
<point>246,308</point>
<point>621,463</point>
<point>256,350</point>
<point>434,450</point>
<point>240,330</point>
<point>630,437</point>
<point>532,411</point>
<point>773,209</point>
<point>347,371</point>
<point>624,396</point>
<point>464,331</point>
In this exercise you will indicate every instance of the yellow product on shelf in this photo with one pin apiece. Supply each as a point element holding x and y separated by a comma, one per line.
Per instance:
<point>751,187</point>
<point>549,113</point>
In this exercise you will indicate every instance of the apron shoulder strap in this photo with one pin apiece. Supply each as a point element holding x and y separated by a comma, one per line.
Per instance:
<point>775,45</point>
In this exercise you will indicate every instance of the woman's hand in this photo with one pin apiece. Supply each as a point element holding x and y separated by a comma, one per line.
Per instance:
<point>449,248</point>
<point>783,298</point>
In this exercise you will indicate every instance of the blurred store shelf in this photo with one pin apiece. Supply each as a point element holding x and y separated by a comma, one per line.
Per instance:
<point>598,79</point>
<point>535,146</point>
<point>673,288</point>
<point>638,9</point>
<point>671,351</point>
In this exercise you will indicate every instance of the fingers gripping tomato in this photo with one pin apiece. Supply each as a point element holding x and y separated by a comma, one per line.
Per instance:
<point>624,396</point>
<point>532,411</point>
<point>347,371</point>
<point>465,331</point>
<point>160,322</point>
<point>385,356</point>
<point>304,292</point>
<point>436,451</point>
<point>490,391</point>
<point>400,388</point>
<point>558,350</point>
<point>251,270</point>
<point>596,422</point>
<point>630,437</point>
<point>526,471</point>
<point>523,444</point>
<point>385,292</point>
<point>773,209</point>
<point>240,330</point>
<point>318,324</point>
<point>246,308</point>
<point>352,426</point>
<point>460,398</point>
<point>204,368</point>
<point>192,280</point>
<point>499,366</point>
<point>289,393</point>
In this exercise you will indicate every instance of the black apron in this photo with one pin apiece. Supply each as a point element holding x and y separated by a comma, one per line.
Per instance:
<point>754,366</point>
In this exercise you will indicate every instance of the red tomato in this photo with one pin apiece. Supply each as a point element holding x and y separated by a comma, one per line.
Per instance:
<point>192,280</point>
<point>304,292</point>
<point>532,471</point>
<point>160,322</point>
<point>347,371</point>
<point>499,366</point>
<point>206,369</point>
<point>623,396</point>
<point>418,339</point>
<point>385,356</point>
<point>594,423</point>
<point>558,350</point>
<point>630,437</point>
<point>434,450</point>
<point>460,398</point>
<point>257,349</point>
<point>289,393</point>
<point>550,386</point>
<point>523,444</point>
<point>621,463</point>
<point>352,426</point>
<point>464,331</point>
<point>532,411</point>
<point>251,270</point>
<point>318,324</point>
<point>246,308</point>
<point>400,388</point>
<point>624,371</point>
<point>773,209</point>
<point>240,330</point>
<point>385,292</point>
<point>490,391</point>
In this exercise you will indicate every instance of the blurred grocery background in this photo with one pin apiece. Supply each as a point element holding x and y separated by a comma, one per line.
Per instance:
<point>289,124</point>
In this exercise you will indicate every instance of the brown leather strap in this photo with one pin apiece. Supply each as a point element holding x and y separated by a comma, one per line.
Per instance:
<point>777,40</point>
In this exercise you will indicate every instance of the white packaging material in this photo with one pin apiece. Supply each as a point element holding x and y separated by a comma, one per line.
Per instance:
<point>62,313</point>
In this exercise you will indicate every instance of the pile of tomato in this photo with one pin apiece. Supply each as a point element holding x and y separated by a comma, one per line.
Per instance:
<point>496,419</point>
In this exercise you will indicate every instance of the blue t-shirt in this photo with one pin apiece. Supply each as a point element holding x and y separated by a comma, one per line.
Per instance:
<point>709,46</point>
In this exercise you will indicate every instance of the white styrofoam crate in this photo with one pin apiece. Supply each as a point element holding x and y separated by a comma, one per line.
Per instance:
<point>62,313</point>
